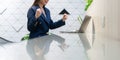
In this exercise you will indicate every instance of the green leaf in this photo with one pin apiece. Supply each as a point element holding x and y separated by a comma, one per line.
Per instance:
<point>26,37</point>
<point>88,3</point>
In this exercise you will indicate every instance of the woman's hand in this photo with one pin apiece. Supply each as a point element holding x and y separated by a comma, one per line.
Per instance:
<point>65,16</point>
<point>38,13</point>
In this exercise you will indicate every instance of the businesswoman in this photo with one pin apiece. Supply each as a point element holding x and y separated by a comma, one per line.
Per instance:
<point>39,19</point>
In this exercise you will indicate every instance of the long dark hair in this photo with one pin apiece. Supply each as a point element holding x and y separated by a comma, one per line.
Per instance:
<point>36,2</point>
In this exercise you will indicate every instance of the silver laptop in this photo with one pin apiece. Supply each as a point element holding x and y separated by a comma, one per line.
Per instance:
<point>83,26</point>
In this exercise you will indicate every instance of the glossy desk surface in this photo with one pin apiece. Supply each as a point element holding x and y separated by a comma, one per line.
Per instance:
<point>51,47</point>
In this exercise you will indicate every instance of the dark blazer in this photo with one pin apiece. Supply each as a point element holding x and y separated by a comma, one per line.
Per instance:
<point>39,27</point>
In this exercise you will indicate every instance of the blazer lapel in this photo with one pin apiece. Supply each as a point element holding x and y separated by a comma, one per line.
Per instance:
<point>44,18</point>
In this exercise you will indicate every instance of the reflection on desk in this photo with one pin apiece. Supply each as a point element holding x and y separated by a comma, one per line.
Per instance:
<point>51,47</point>
<point>38,47</point>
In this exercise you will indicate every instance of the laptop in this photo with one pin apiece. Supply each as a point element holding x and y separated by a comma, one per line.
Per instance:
<point>83,26</point>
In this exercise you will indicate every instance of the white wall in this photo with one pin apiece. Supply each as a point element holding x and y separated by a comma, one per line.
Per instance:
<point>108,10</point>
<point>106,17</point>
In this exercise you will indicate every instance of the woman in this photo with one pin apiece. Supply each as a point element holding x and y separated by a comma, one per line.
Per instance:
<point>39,19</point>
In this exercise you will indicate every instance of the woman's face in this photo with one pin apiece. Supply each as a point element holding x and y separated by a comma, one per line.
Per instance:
<point>44,2</point>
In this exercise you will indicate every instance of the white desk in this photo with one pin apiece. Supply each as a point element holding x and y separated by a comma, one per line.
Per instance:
<point>52,47</point>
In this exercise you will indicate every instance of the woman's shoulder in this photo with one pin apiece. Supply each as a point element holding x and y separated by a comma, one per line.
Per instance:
<point>46,9</point>
<point>34,7</point>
